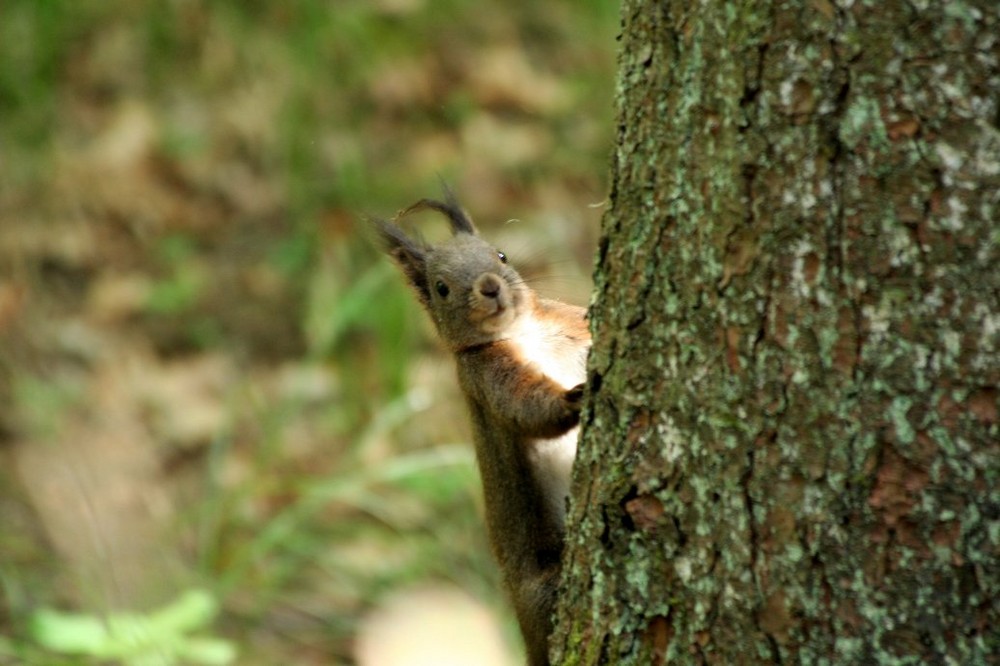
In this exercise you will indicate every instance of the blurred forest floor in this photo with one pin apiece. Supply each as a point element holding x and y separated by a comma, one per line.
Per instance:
<point>208,377</point>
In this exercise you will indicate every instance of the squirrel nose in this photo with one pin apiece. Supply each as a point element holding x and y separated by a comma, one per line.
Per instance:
<point>489,286</point>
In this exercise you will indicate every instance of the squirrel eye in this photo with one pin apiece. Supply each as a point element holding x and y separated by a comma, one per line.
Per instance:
<point>442,289</point>
<point>502,256</point>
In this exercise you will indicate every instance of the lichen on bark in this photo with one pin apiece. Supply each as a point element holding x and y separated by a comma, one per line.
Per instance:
<point>790,451</point>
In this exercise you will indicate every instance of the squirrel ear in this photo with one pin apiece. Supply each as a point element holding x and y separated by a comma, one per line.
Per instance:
<point>460,221</point>
<point>450,208</point>
<point>409,254</point>
<point>415,268</point>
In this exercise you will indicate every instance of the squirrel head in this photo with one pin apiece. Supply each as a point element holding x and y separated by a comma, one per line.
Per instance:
<point>473,295</point>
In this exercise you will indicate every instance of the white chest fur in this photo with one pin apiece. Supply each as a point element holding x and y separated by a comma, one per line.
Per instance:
<point>553,354</point>
<point>563,361</point>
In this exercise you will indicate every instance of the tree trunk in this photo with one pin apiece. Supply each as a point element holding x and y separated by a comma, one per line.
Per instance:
<point>790,449</point>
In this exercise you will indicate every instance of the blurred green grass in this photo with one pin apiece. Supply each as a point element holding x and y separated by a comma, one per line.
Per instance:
<point>184,182</point>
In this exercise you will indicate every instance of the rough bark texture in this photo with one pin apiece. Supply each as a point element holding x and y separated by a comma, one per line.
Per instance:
<point>790,452</point>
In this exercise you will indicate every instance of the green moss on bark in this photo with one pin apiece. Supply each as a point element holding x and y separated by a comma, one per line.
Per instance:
<point>790,450</point>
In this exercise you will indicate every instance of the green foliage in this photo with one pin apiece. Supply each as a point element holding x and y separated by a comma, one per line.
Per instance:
<point>202,171</point>
<point>158,638</point>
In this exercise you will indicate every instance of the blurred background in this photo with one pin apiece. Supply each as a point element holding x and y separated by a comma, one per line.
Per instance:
<point>227,432</point>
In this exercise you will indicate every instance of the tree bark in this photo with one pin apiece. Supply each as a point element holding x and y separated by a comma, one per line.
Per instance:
<point>790,448</point>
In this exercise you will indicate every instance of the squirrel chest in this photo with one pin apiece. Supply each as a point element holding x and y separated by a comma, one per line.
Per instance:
<point>555,352</point>
<point>560,356</point>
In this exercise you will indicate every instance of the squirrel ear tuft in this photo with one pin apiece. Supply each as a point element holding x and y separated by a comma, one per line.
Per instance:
<point>450,208</point>
<point>410,255</point>
<point>460,221</point>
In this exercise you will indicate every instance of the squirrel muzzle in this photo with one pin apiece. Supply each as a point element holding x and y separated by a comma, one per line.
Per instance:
<point>494,303</point>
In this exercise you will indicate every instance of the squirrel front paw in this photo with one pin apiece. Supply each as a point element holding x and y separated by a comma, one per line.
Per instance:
<point>574,396</point>
<point>550,412</point>
<point>572,402</point>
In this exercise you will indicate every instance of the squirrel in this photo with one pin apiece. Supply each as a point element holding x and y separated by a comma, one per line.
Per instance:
<point>521,364</point>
